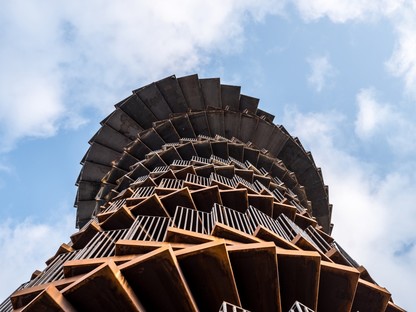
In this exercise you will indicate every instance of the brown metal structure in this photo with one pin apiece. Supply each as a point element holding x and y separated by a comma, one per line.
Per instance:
<point>191,199</point>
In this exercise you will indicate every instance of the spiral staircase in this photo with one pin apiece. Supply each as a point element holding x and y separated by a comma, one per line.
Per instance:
<point>191,199</point>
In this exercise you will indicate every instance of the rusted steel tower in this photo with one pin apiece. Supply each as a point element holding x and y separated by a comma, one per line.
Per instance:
<point>190,198</point>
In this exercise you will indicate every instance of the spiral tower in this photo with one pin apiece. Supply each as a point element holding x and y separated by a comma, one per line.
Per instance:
<point>190,198</point>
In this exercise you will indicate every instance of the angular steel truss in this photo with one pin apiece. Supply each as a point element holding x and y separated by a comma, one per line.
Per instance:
<point>191,199</point>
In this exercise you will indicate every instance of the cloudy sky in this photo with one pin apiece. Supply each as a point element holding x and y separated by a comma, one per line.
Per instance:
<point>339,74</point>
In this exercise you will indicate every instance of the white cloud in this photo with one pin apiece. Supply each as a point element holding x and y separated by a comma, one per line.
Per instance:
<point>5,171</point>
<point>392,123</point>
<point>25,246</point>
<point>373,212</point>
<point>371,115</point>
<point>403,60</point>
<point>30,107</point>
<point>321,72</point>
<point>61,57</point>
<point>400,13</point>
<point>341,11</point>
<point>5,168</point>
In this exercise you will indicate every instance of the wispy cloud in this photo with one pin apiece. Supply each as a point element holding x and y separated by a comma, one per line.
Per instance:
<point>403,60</point>
<point>32,241</point>
<point>341,11</point>
<point>58,58</point>
<point>400,13</point>
<point>371,115</point>
<point>360,193</point>
<point>5,170</point>
<point>393,124</point>
<point>321,72</point>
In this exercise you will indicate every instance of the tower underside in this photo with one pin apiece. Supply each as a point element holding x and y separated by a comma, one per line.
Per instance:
<point>190,198</point>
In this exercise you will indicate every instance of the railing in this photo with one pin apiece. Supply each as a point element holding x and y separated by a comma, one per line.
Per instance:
<point>171,183</point>
<point>168,145</point>
<point>181,163</point>
<point>317,239</point>
<point>237,179</point>
<point>52,272</point>
<point>195,179</point>
<point>346,256</point>
<point>260,218</point>
<point>298,206</point>
<point>193,220</point>
<point>228,307</point>
<point>278,195</point>
<point>6,305</point>
<point>218,160</point>
<point>233,218</point>
<point>237,163</point>
<point>149,228</point>
<point>102,244</point>
<point>299,307</point>
<point>116,205</point>
<point>160,169</point>
<point>277,181</point>
<point>200,160</point>
<point>184,140</point>
<point>202,137</point>
<point>144,191</point>
<point>221,179</point>
<point>290,228</point>
<point>140,179</point>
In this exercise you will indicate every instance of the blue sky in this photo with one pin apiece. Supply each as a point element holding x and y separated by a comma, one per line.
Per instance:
<point>340,75</point>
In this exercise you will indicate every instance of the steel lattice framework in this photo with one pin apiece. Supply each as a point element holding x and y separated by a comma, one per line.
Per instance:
<point>191,199</point>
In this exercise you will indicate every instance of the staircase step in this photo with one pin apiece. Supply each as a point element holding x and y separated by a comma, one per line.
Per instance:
<point>192,92</point>
<point>370,297</point>
<point>211,91</point>
<point>126,161</point>
<point>167,132</point>
<point>256,274</point>
<point>93,172</point>
<point>123,123</point>
<point>172,93</point>
<point>205,198</point>
<point>151,206</point>
<point>170,155</point>
<point>203,149</point>
<point>87,190</point>
<point>138,149</point>
<point>269,117</point>
<point>230,97</point>
<point>263,134</point>
<point>180,197</point>
<point>208,273</point>
<point>138,111</point>
<point>216,122</point>
<point>186,151</point>
<point>152,139</point>
<point>299,273</point>
<point>248,126</point>
<point>110,138</point>
<point>277,141</point>
<point>248,103</point>
<point>100,154</point>
<point>118,297</point>
<point>232,122</point>
<point>153,99</point>
<point>220,149</point>
<point>337,287</point>
<point>199,123</point>
<point>183,126</point>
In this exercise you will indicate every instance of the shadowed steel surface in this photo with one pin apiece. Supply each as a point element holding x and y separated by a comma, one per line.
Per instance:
<point>190,198</point>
